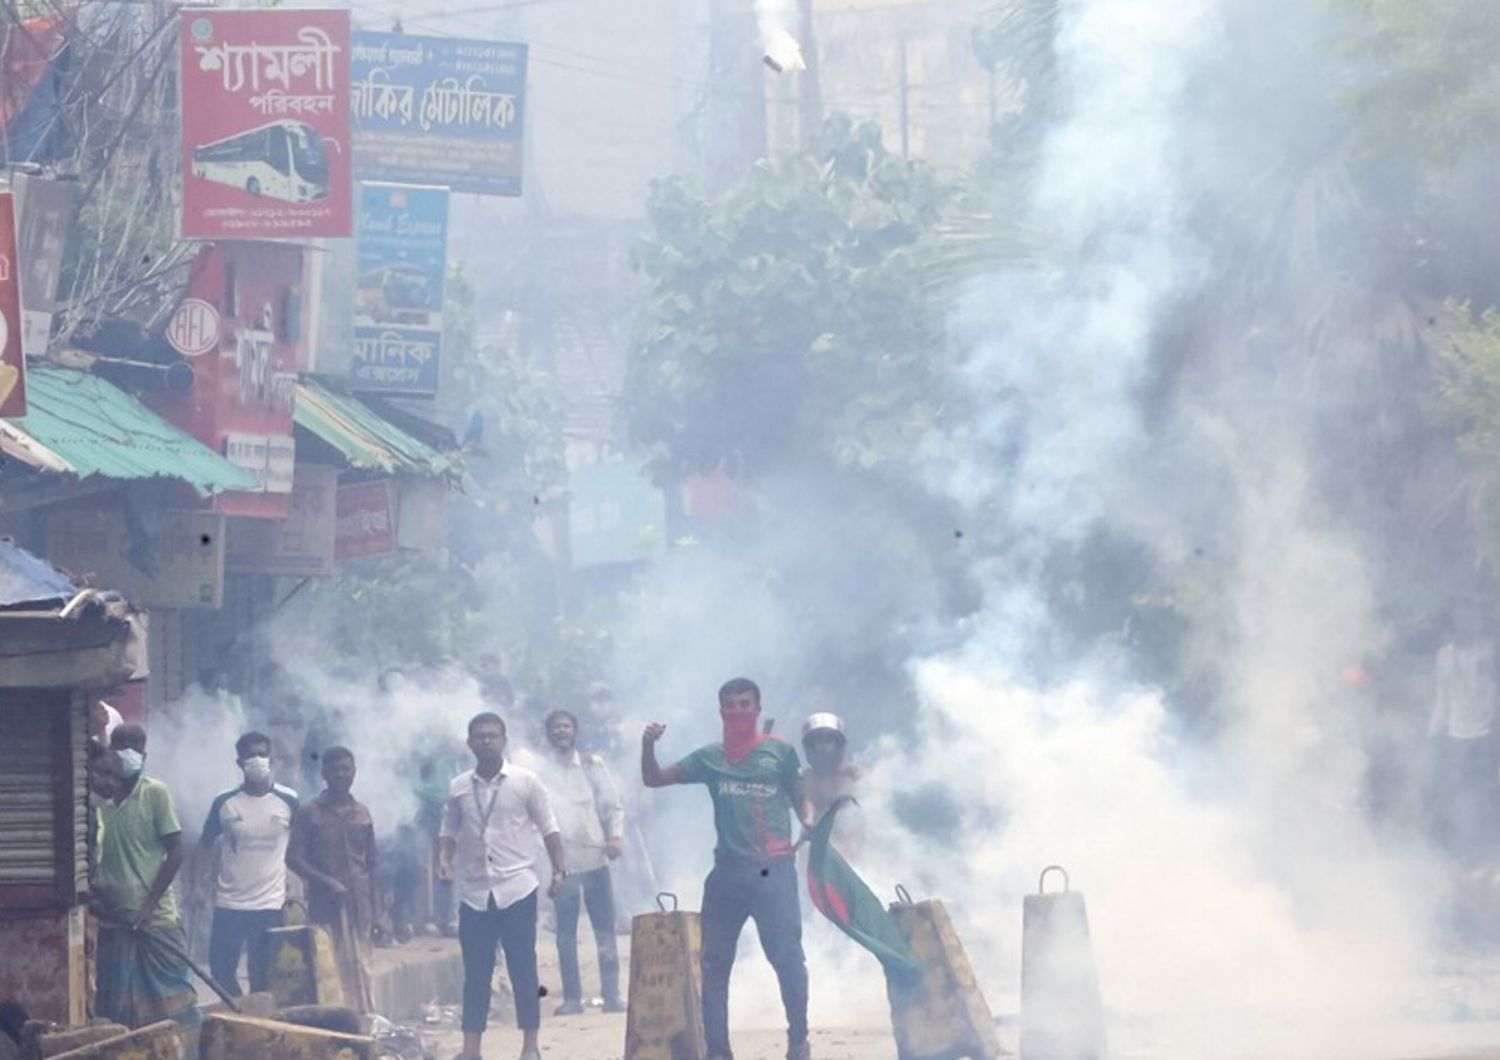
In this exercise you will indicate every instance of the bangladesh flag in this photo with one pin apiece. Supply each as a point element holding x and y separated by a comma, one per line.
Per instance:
<point>840,895</point>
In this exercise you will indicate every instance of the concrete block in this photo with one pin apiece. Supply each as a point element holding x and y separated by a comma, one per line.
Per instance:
<point>304,967</point>
<point>229,1037</point>
<point>159,1041</point>
<point>66,1039</point>
<point>943,1015</point>
<point>665,1020</point>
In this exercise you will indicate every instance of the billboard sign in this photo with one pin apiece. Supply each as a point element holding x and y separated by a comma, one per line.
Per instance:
<point>45,212</point>
<point>12,360</point>
<point>438,110</point>
<point>265,124</point>
<point>398,301</point>
<point>241,326</point>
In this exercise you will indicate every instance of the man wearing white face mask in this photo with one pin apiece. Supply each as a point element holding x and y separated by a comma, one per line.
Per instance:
<point>252,824</point>
<point>142,977</point>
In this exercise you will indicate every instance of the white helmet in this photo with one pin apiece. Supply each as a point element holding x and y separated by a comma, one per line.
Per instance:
<point>823,722</point>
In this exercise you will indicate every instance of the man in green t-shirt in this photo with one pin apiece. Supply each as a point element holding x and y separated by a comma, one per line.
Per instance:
<point>143,975</point>
<point>755,782</point>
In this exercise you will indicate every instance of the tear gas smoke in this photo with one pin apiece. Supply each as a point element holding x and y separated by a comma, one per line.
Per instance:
<point>777,20</point>
<point>1242,901</point>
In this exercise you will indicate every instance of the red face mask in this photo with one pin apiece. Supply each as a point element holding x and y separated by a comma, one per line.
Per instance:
<point>741,734</point>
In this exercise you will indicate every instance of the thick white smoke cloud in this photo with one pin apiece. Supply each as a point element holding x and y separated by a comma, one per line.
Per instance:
<point>1239,895</point>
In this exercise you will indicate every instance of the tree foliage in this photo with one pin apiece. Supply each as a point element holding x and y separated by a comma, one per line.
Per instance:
<point>788,315</point>
<point>1435,85</point>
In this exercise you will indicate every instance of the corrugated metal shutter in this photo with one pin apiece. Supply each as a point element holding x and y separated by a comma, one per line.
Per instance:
<point>28,793</point>
<point>78,742</point>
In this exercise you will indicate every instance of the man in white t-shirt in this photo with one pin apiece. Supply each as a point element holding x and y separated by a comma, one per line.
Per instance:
<point>253,824</point>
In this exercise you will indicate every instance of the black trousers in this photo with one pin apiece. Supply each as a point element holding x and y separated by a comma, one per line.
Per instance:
<point>479,932</point>
<point>765,891</point>
<point>594,890</point>
<point>233,931</point>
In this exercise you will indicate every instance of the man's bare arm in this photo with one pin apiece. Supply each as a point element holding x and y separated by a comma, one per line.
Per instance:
<point>802,802</point>
<point>172,861</point>
<point>653,774</point>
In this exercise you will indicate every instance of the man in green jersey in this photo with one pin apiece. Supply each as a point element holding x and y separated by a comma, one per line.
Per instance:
<point>142,973</point>
<point>755,782</point>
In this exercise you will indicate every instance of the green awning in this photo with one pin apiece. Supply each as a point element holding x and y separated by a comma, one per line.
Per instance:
<point>362,436</point>
<point>79,424</point>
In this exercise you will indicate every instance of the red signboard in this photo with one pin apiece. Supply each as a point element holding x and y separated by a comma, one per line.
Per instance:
<point>244,312</point>
<point>265,124</point>
<point>12,361</point>
<point>366,520</point>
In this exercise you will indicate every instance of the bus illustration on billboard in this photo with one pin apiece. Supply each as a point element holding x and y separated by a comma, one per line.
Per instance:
<point>284,160</point>
<point>395,294</point>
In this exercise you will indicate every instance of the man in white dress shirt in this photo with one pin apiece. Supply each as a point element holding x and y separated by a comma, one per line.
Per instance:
<point>493,815</point>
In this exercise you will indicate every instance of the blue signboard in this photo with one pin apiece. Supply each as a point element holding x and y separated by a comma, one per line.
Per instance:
<point>398,300</point>
<point>437,110</point>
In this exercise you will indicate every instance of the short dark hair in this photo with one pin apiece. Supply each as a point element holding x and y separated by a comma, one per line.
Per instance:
<point>487,717</point>
<point>336,754</point>
<point>560,713</point>
<point>128,736</point>
<point>739,686</point>
<point>250,739</point>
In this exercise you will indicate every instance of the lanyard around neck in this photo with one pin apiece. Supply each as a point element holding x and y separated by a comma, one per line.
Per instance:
<point>486,812</point>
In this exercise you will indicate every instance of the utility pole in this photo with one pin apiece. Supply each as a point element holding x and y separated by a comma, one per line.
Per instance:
<point>735,135</point>
<point>809,84</point>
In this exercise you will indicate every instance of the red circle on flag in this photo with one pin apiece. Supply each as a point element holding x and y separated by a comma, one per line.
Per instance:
<point>194,328</point>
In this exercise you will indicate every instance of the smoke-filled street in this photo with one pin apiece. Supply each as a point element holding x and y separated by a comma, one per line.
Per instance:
<point>711,529</point>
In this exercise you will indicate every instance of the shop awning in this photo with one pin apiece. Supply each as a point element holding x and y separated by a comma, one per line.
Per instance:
<point>78,424</point>
<point>364,438</point>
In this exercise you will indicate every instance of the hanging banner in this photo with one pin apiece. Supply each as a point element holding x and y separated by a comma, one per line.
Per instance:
<point>398,305</point>
<point>12,360</point>
<point>265,124</point>
<point>46,211</point>
<point>436,110</point>
<point>365,520</point>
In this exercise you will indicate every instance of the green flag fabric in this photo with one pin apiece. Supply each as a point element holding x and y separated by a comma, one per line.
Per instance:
<point>840,895</point>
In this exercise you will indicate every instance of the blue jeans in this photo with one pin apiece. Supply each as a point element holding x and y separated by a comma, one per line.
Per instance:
<point>766,891</point>
<point>479,932</point>
<point>594,890</point>
<point>233,932</point>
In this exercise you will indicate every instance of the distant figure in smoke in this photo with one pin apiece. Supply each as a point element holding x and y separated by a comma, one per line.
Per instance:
<point>601,722</point>
<point>254,821</point>
<point>494,687</point>
<point>755,781</point>
<point>333,849</point>
<point>1463,788</point>
<point>592,819</point>
<point>142,976</point>
<point>493,816</point>
<point>828,777</point>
